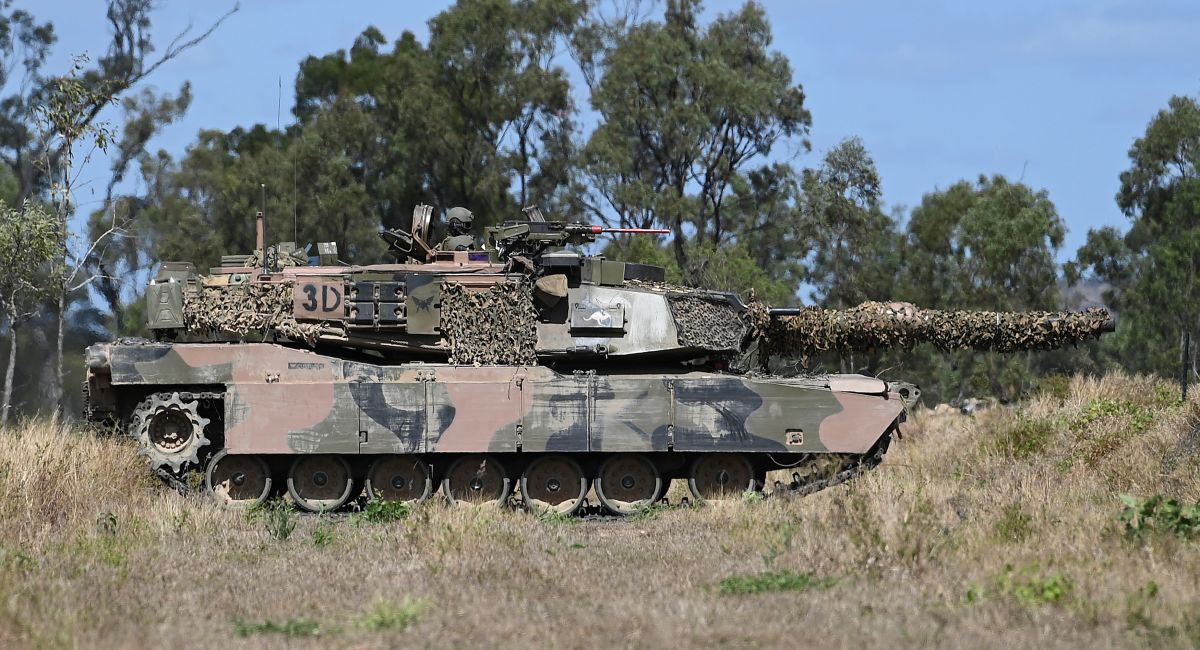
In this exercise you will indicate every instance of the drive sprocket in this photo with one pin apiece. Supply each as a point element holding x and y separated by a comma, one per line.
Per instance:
<point>170,431</point>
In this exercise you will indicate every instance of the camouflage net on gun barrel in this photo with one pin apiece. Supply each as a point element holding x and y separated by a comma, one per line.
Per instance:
<point>877,325</point>
<point>241,309</point>
<point>493,327</point>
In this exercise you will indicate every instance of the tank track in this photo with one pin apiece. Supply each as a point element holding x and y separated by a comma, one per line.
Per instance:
<point>852,466</point>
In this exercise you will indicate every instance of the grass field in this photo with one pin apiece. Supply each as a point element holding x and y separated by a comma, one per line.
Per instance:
<point>1005,529</point>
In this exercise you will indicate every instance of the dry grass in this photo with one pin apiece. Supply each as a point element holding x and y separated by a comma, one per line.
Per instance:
<point>999,530</point>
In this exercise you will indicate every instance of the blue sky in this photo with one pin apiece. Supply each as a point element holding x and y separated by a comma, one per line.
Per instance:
<point>1053,93</point>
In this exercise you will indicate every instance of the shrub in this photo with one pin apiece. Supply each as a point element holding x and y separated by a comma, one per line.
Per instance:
<point>1140,417</point>
<point>1023,437</point>
<point>380,511</point>
<point>1160,514</point>
<point>1015,525</point>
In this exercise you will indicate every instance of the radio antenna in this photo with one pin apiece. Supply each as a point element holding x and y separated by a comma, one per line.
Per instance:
<point>263,212</point>
<point>295,183</point>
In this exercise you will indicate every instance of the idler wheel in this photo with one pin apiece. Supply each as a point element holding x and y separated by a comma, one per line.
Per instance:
<point>553,484</point>
<point>320,483</point>
<point>169,431</point>
<point>399,478</point>
<point>476,479</point>
<point>627,483</point>
<point>237,480</point>
<point>721,476</point>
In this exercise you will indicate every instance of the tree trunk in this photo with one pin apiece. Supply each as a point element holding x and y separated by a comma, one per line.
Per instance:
<point>6,403</point>
<point>56,391</point>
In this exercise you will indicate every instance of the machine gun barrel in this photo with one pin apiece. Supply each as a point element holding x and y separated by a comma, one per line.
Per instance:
<point>582,229</point>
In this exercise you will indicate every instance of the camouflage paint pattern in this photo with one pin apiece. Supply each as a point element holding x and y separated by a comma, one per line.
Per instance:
<point>281,400</point>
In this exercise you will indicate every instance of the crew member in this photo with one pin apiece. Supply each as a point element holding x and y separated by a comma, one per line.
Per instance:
<point>458,223</point>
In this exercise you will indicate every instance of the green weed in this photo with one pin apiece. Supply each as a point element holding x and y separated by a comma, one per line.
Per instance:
<point>1023,438</point>
<point>1140,417</point>
<point>380,511</point>
<point>386,616</point>
<point>1015,525</point>
<point>554,517</point>
<point>295,627</point>
<point>1161,515</point>
<point>646,512</point>
<point>774,581</point>
<point>322,535</point>
<point>1031,588</point>
<point>279,519</point>
<point>780,542</point>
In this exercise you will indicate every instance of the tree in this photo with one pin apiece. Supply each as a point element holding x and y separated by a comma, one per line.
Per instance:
<point>855,245</point>
<point>480,111</point>
<point>988,245</point>
<point>1151,271</point>
<point>44,118</point>
<point>30,243</point>
<point>684,110</point>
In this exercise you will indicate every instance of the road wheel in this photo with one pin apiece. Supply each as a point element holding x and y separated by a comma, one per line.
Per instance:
<point>721,476</point>
<point>320,483</point>
<point>553,484</point>
<point>237,480</point>
<point>627,483</point>
<point>399,478</point>
<point>476,479</point>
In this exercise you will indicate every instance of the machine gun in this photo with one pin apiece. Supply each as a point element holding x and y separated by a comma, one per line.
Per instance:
<point>529,239</point>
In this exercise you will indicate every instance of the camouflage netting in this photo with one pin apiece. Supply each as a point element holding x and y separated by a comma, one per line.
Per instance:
<point>493,327</point>
<point>876,325</point>
<point>242,309</point>
<point>707,323</point>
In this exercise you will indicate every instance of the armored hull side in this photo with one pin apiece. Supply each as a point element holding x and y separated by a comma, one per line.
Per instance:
<point>281,405</point>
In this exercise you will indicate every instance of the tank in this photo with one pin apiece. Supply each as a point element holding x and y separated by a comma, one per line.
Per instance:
<point>521,371</point>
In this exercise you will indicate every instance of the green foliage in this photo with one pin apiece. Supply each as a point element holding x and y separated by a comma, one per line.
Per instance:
<point>293,627</point>
<point>647,512</point>
<point>381,511</point>
<point>1159,514</point>
<point>856,250</point>
<point>1139,417</point>
<point>1151,269</point>
<point>547,516</point>
<point>779,541</point>
<point>1055,386</point>
<point>31,240</point>
<point>1031,587</point>
<point>1015,525</point>
<point>384,616</point>
<point>322,535</point>
<point>1022,437</point>
<point>277,517</point>
<point>774,581</point>
<point>685,110</point>
<point>753,496</point>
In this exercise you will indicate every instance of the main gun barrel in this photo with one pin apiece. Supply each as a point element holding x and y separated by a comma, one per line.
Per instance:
<point>800,332</point>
